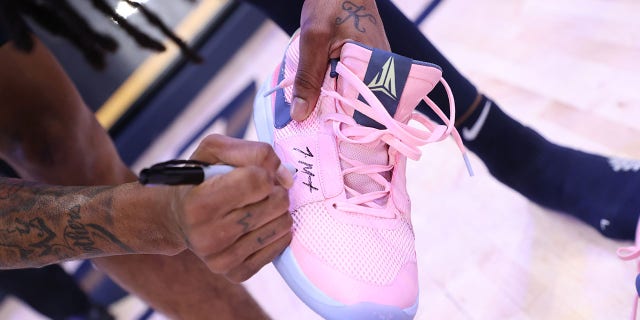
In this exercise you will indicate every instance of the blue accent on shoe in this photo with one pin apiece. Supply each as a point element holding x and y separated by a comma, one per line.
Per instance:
<point>262,114</point>
<point>638,284</point>
<point>327,307</point>
<point>282,108</point>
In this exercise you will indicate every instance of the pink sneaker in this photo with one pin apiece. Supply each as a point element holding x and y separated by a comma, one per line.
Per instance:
<point>352,255</point>
<point>633,253</point>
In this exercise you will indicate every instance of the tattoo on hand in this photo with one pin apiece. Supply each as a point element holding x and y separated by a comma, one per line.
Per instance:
<point>243,222</point>
<point>262,240</point>
<point>356,12</point>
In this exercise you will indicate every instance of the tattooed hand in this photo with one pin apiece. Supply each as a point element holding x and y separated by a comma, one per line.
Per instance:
<point>325,27</point>
<point>238,222</point>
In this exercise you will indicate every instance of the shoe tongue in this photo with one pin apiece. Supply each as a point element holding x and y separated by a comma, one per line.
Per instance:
<point>380,71</point>
<point>386,74</point>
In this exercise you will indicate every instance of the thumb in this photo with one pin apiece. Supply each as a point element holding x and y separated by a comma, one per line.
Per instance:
<point>312,67</point>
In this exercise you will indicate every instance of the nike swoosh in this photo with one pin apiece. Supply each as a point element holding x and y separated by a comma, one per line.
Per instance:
<point>471,134</point>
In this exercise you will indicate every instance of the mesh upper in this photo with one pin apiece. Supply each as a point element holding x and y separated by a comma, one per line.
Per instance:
<point>373,153</point>
<point>364,253</point>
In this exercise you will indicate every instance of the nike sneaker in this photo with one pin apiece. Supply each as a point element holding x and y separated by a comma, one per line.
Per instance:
<point>352,255</point>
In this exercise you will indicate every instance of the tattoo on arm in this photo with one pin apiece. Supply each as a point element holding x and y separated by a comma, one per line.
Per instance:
<point>356,12</point>
<point>42,224</point>
<point>84,237</point>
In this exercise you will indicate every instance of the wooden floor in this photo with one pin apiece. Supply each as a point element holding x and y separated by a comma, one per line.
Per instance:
<point>569,68</point>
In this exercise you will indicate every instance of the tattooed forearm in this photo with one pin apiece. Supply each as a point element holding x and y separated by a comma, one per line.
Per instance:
<point>42,224</point>
<point>39,233</point>
<point>83,237</point>
<point>354,13</point>
<point>98,231</point>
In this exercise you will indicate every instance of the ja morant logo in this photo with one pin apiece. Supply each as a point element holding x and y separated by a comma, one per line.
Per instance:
<point>385,80</point>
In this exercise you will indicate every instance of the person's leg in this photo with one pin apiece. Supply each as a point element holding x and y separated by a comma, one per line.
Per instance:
<point>47,134</point>
<point>590,187</point>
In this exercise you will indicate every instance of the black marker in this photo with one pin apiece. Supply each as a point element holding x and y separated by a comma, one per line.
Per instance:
<point>182,175</point>
<point>180,172</point>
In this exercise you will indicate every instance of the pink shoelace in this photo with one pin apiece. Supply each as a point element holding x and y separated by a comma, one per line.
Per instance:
<point>631,253</point>
<point>400,137</point>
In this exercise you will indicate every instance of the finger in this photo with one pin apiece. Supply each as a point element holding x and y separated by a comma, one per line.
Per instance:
<point>217,148</point>
<point>254,216</point>
<point>249,244</point>
<point>228,229</point>
<point>312,67</point>
<point>256,261</point>
<point>284,174</point>
<point>216,197</point>
<point>236,152</point>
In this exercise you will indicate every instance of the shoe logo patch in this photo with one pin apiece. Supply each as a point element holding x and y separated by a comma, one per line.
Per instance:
<point>385,80</point>
<point>472,133</point>
<point>386,76</point>
<point>619,164</point>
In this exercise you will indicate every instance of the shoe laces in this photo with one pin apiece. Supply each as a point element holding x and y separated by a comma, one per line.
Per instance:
<point>631,253</point>
<point>398,136</point>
